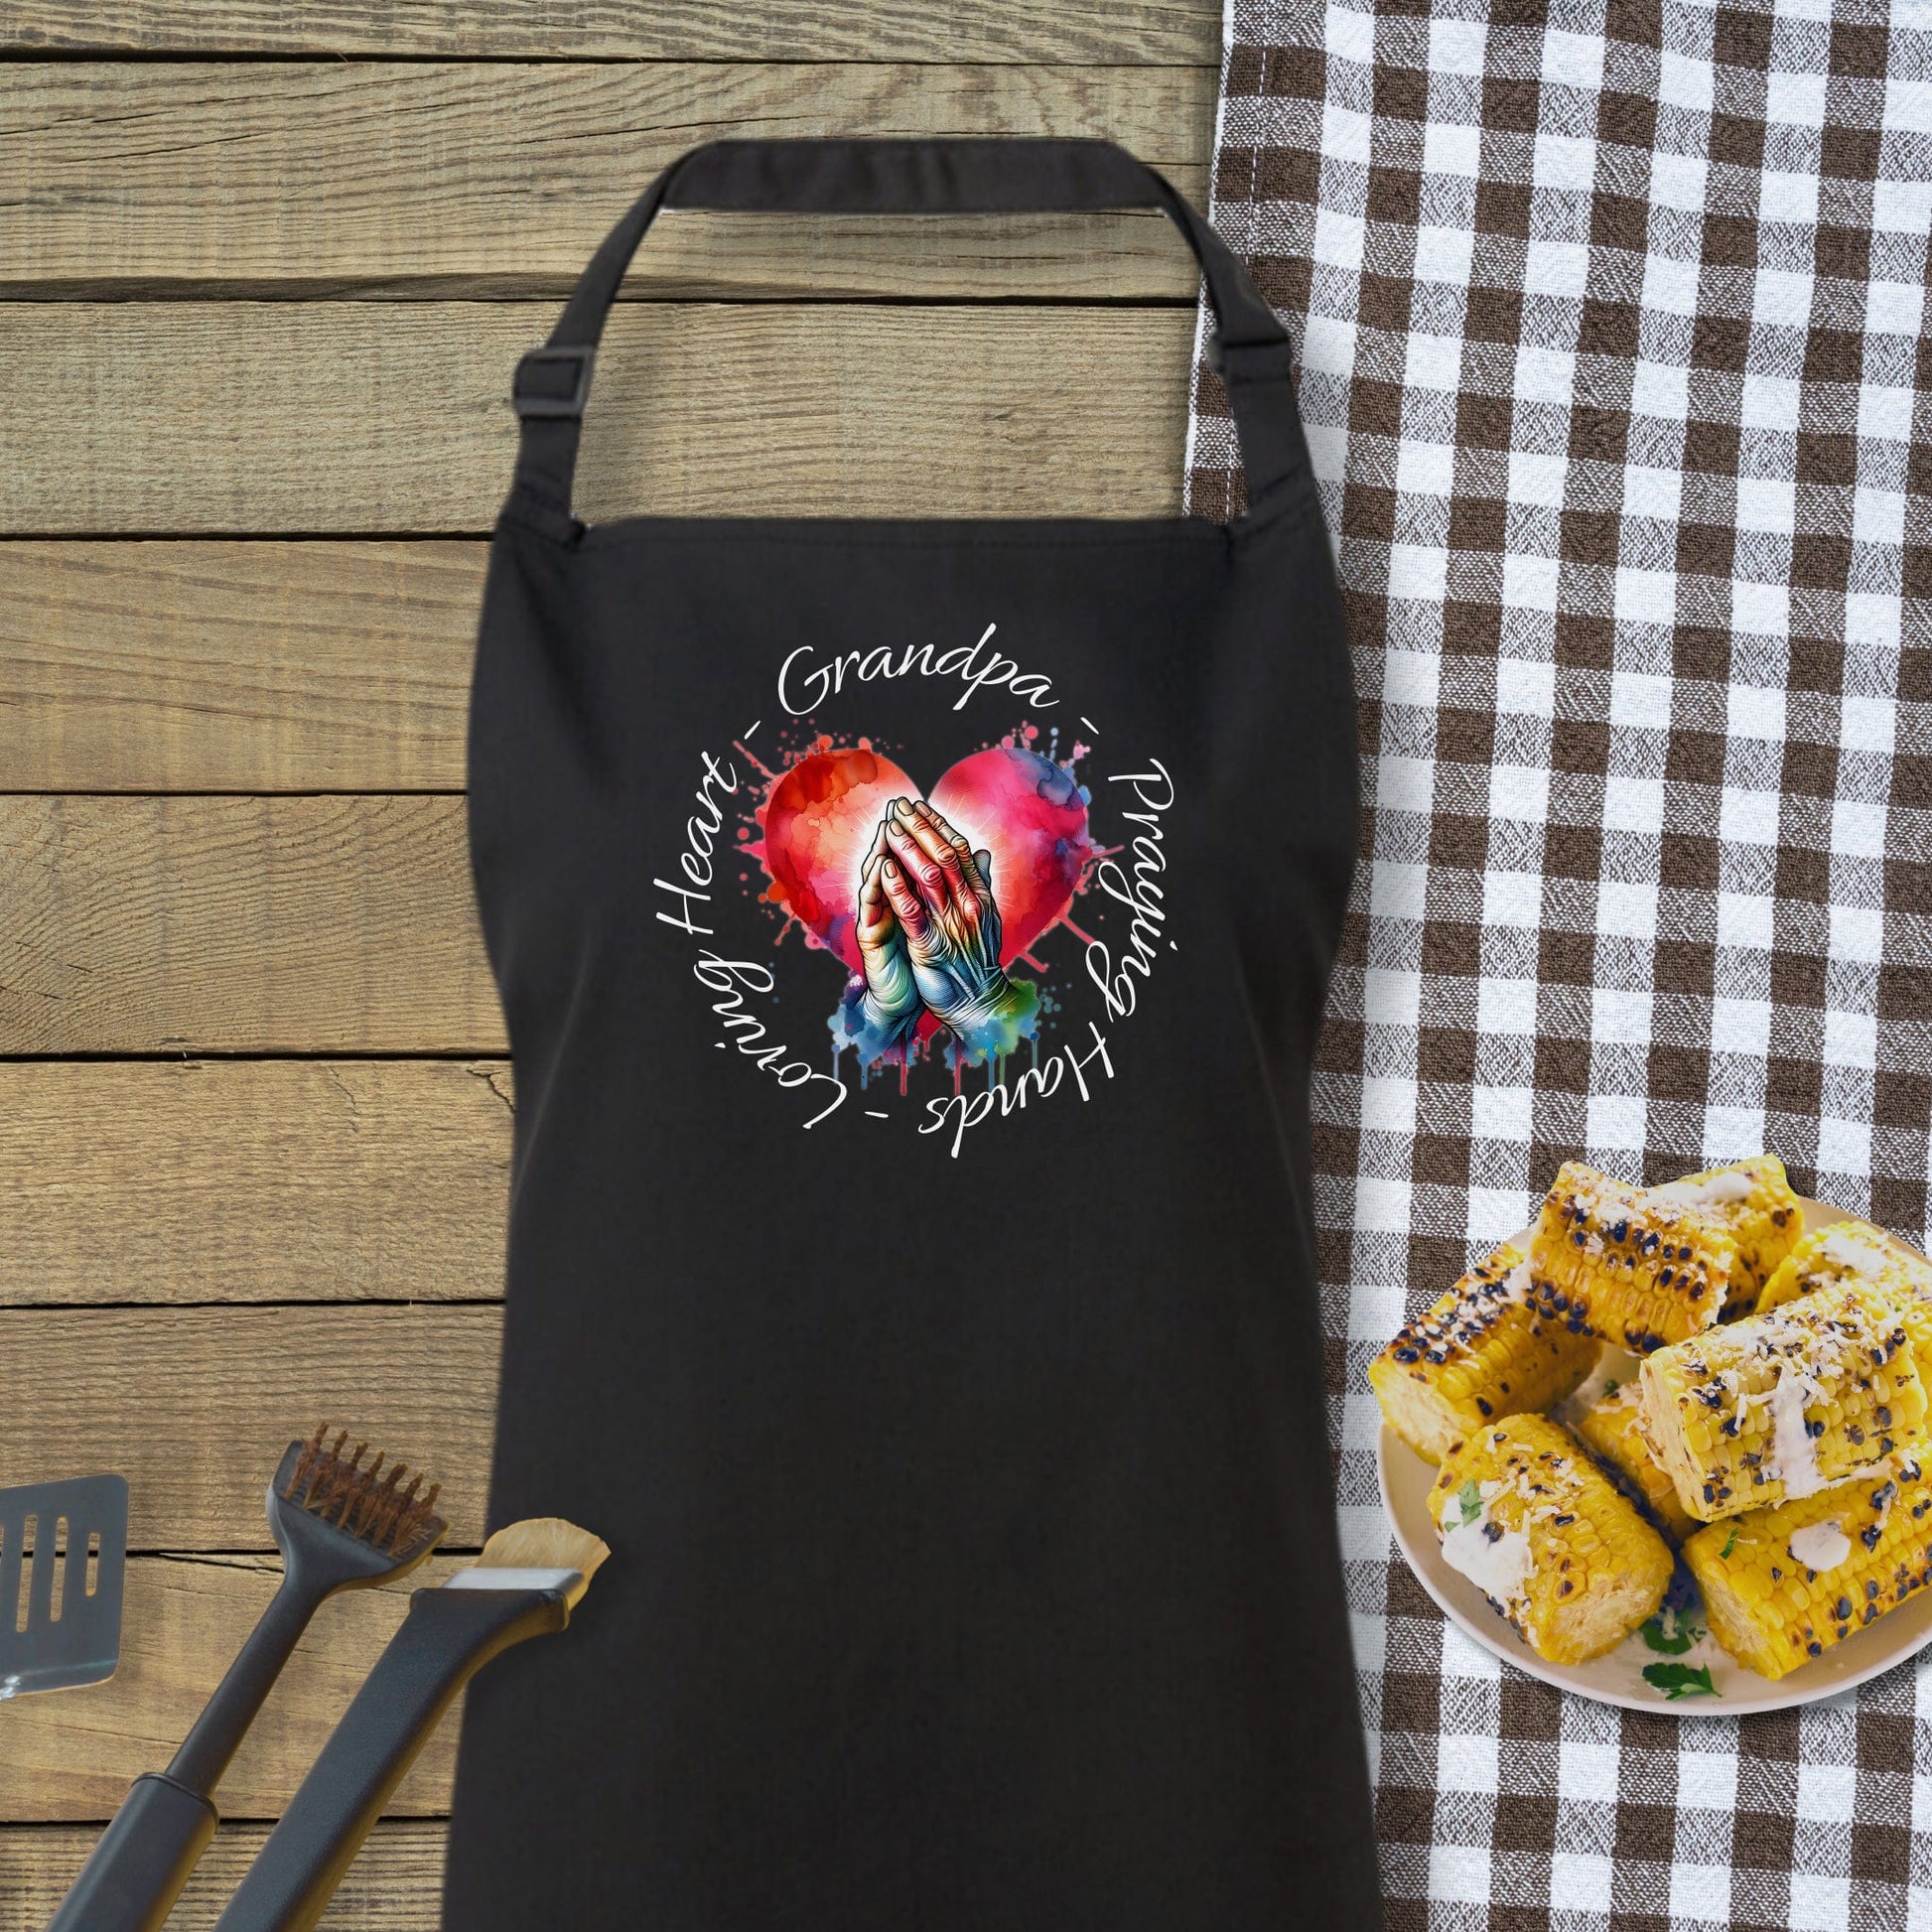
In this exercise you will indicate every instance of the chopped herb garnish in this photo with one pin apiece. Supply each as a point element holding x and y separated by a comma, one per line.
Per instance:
<point>1471,1497</point>
<point>1681,1680</point>
<point>1609,1387</point>
<point>1731,1543</point>
<point>1670,1633</point>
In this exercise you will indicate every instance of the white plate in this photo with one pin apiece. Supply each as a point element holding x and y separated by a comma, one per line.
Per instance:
<point>1618,1677</point>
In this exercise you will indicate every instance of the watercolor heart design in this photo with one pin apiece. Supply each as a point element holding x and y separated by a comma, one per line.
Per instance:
<point>1009,800</point>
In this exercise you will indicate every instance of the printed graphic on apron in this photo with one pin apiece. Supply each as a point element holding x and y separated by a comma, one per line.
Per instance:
<point>935,903</point>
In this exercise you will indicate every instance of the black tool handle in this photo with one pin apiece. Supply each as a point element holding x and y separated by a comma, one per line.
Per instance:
<point>149,1850</point>
<point>134,1875</point>
<point>225,1718</point>
<point>448,1635</point>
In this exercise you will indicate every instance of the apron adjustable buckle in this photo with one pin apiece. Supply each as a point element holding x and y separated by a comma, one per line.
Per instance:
<point>537,402</point>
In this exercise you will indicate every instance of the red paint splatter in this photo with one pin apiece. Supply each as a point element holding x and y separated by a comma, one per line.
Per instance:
<point>819,823</point>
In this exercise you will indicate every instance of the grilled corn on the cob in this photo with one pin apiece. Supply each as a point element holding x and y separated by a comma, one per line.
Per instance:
<point>1479,1353</point>
<point>1775,1407</point>
<point>1542,1532</point>
<point>1851,1250</point>
<point>1610,1259</point>
<point>1783,1585</point>
<point>1611,1430</point>
<point>1753,1203</point>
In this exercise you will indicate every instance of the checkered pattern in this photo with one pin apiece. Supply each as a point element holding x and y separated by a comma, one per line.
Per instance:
<point>1611,316</point>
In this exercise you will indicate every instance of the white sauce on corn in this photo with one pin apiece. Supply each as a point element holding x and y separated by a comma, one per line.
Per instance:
<point>1820,1545</point>
<point>1719,1190</point>
<point>1794,1454</point>
<point>1516,1283</point>
<point>1843,1249</point>
<point>1498,1565</point>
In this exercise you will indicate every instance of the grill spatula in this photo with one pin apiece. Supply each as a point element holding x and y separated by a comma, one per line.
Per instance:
<point>62,1562</point>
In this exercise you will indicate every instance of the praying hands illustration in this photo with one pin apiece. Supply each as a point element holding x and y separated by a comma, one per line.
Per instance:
<point>928,932</point>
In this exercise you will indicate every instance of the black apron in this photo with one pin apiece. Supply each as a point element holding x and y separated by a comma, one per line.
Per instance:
<point>913,936</point>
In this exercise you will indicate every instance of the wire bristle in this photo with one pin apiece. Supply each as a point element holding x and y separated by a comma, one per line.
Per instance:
<point>305,1463</point>
<point>373,1509</point>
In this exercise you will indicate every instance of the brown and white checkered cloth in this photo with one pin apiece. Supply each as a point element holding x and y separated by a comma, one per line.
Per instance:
<point>1612,323</point>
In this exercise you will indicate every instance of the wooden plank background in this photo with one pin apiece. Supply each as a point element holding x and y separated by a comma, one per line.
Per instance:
<point>264,271</point>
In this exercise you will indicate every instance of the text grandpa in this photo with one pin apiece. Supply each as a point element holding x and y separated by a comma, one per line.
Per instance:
<point>805,681</point>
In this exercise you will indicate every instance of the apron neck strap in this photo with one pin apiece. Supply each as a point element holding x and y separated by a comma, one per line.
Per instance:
<point>1251,351</point>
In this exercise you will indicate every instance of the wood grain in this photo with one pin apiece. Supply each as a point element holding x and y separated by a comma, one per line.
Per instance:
<point>394,1886</point>
<point>370,417</point>
<point>251,924</point>
<point>71,1755</point>
<point>337,257</point>
<point>454,180</point>
<point>225,666</point>
<point>249,1181</point>
<point>1133,31</point>
<point>193,1405</point>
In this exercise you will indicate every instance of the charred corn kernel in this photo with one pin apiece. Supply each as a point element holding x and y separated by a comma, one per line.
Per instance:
<point>1545,1535</point>
<point>1852,1249</point>
<point>1479,1353</point>
<point>1611,1428</point>
<point>1627,1263</point>
<point>1773,1408</point>
<point>1752,1202</point>
<point>1783,1585</point>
